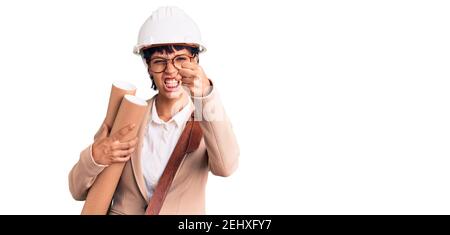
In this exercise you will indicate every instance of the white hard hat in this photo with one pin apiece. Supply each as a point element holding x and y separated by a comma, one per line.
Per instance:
<point>168,25</point>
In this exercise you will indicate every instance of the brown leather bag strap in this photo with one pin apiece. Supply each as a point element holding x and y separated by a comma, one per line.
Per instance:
<point>187,143</point>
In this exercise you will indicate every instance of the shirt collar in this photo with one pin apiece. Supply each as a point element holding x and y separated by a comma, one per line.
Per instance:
<point>179,118</point>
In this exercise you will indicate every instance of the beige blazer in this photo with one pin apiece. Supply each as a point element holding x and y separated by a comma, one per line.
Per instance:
<point>218,152</point>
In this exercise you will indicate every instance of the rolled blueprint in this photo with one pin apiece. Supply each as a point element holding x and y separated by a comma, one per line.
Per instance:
<point>118,90</point>
<point>132,110</point>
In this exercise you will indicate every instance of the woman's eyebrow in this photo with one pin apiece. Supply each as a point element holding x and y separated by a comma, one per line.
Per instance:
<point>161,57</point>
<point>158,57</point>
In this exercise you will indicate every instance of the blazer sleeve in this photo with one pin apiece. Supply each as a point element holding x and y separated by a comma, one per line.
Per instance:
<point>83,174</point>
<point>221,144</point>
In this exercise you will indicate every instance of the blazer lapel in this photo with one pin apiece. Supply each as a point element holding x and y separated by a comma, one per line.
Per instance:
<point>136,157</point>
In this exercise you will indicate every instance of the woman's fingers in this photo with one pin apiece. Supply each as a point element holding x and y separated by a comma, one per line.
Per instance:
<point>117,145</point>
<point>187,73</point>
<point>122,153</point>
<point>121,159</point>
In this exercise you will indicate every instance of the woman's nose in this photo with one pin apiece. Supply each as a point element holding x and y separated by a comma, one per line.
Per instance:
<point>170,68</point>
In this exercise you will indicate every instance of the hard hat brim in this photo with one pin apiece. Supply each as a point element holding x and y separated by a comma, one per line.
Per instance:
<point>138,49</point>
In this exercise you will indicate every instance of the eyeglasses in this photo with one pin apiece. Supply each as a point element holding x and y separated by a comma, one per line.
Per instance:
<point>159,64</point>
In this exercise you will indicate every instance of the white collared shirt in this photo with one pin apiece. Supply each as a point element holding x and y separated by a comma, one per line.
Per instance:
<point>159,142</point>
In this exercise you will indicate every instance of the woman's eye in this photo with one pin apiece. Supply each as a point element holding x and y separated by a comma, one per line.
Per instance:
<point>159,62</point>
<point>181,59</point>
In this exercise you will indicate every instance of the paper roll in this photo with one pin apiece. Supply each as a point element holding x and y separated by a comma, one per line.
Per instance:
<point>132,110</point>
<point>118,90</point>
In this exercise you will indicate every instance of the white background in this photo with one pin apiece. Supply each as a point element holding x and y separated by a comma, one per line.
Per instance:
<point>340,107</point>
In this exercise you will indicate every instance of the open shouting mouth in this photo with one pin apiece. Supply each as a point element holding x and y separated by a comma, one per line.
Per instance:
<point>171,84</point>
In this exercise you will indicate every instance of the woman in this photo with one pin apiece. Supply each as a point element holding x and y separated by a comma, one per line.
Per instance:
<point>169,43</point>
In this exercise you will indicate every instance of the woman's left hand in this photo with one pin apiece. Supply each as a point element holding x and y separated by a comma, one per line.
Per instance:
<point>194,78</point>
